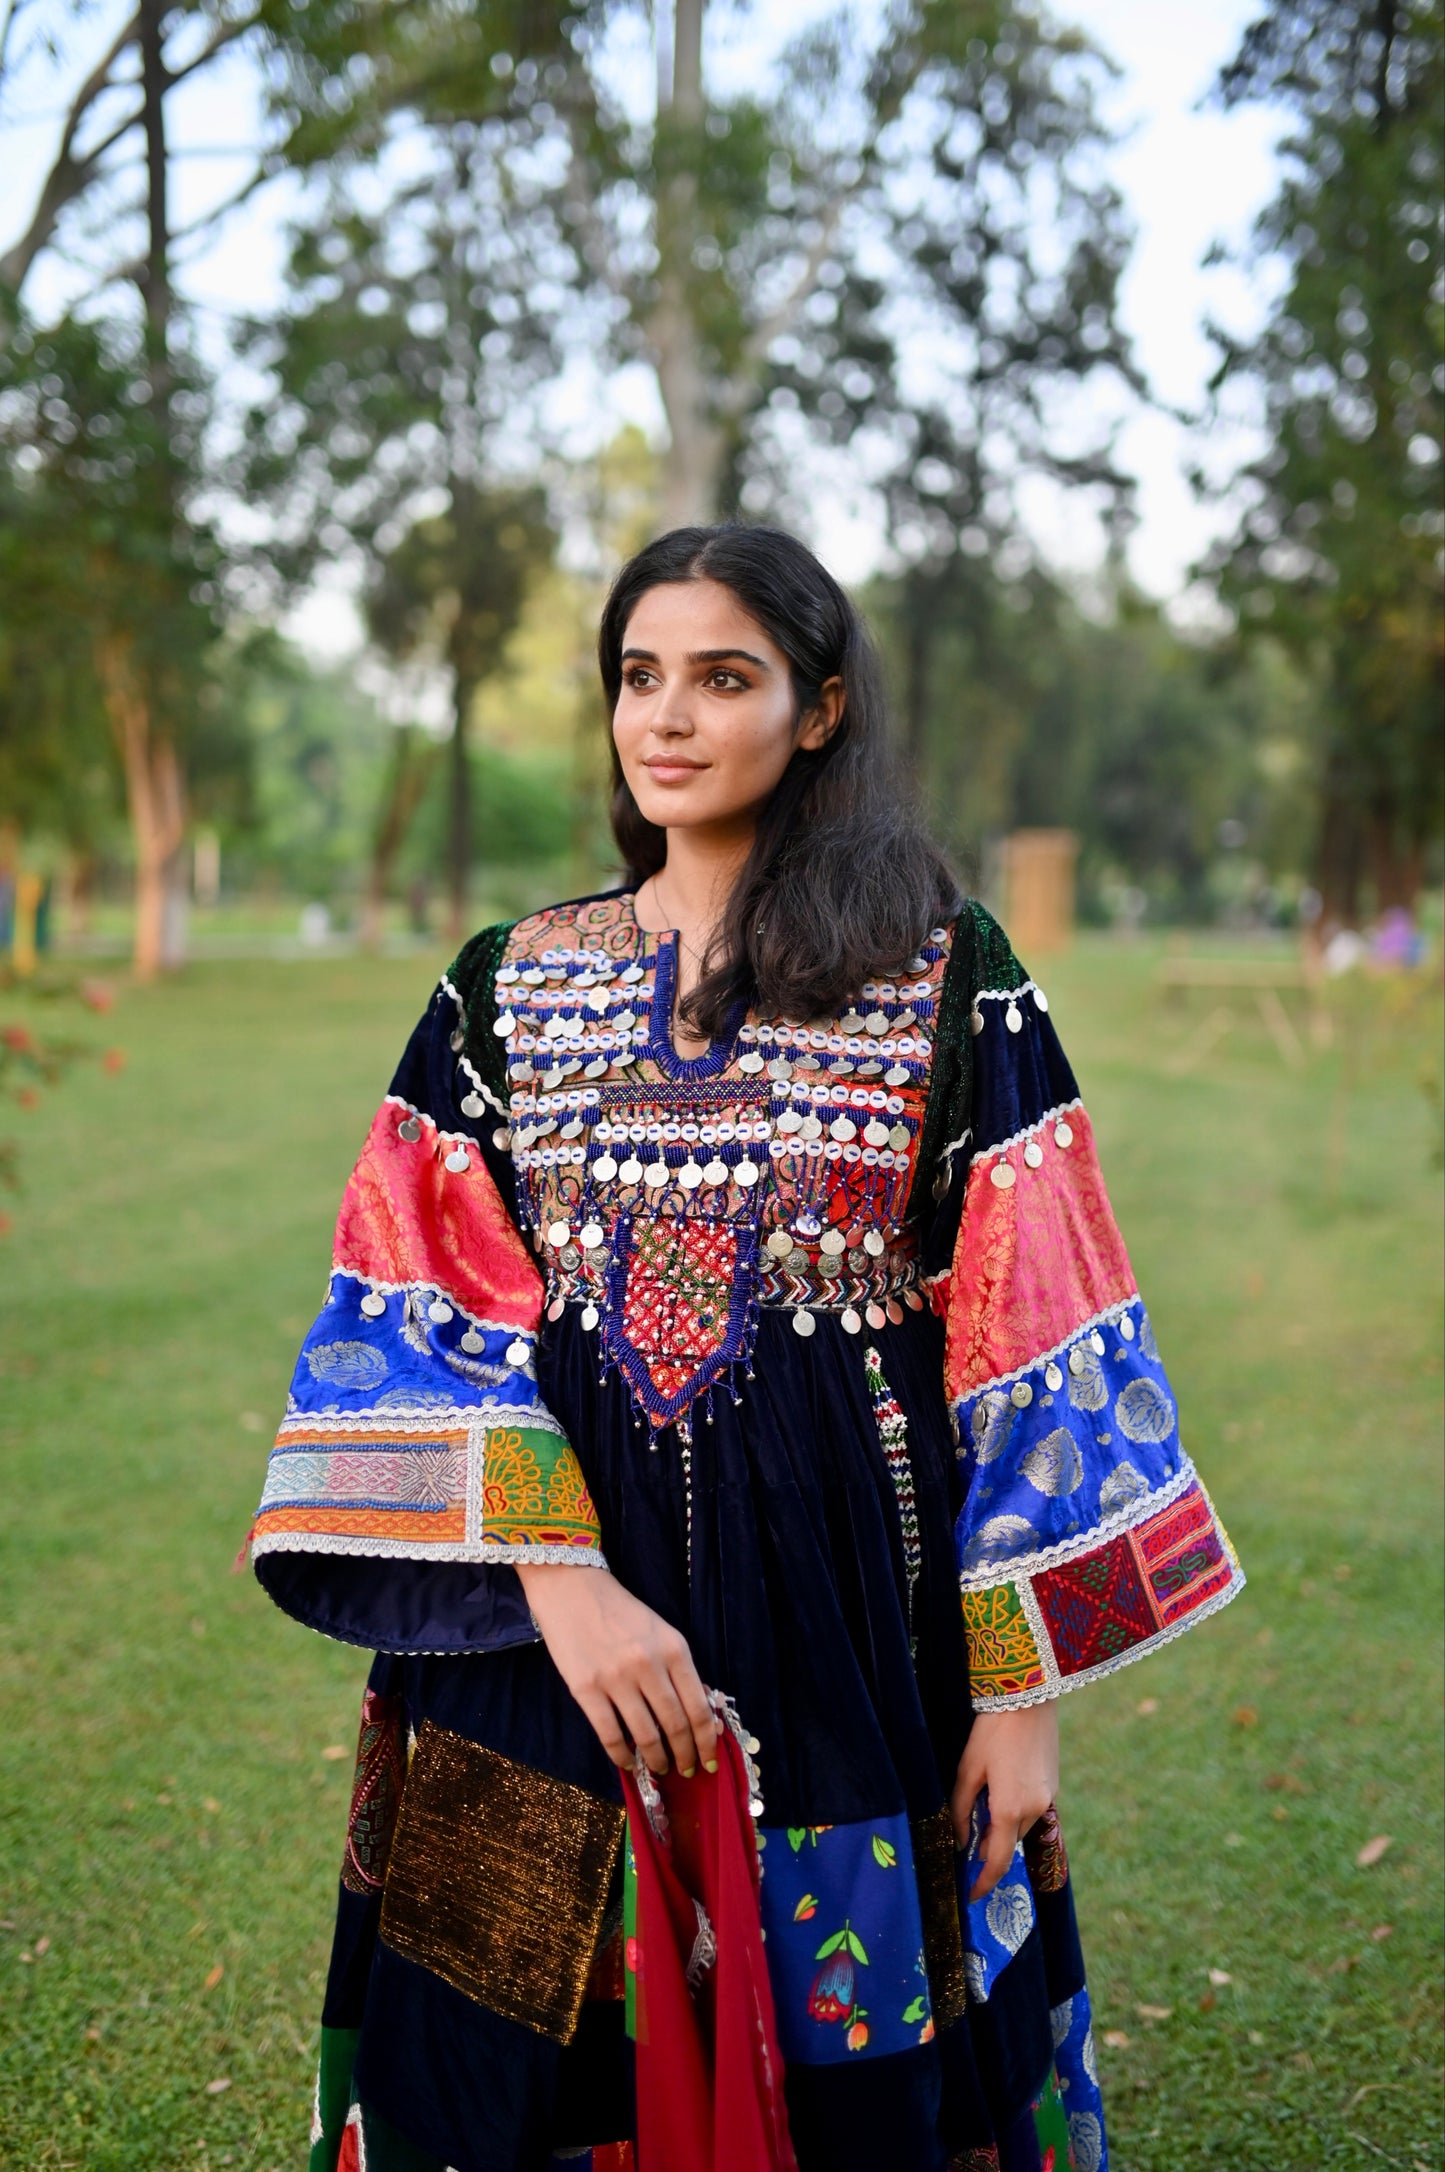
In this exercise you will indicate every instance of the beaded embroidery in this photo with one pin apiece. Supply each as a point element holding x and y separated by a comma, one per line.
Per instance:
<point>670,1197</point>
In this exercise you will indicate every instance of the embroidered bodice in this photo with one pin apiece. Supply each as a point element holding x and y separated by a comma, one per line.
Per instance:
<point>668,1196</point>
<point>547,1171</point>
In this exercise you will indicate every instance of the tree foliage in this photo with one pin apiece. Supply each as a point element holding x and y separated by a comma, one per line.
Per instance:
<point>1339,553</point>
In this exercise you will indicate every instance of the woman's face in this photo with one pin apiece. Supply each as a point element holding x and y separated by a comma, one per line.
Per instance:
<point>705,723</point>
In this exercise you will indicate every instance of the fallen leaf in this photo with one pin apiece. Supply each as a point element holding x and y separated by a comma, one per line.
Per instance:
<point>1279,1813</point>
<point>1382,1931</point>
<point>1372,1851</point>
<point>1146,1705</point>
<point>1208,2003</point>
<point>1153,2013</point>
<point>210,1805</point>
<point>92,2036</point>
<point>215,1976</point>
<point>1220,1976</point>
<point>42,1945</point>
<point>219,2086</point>
<point>165,1799</point>
<point>1245,1715</point>
<point>1116,2040</point>
<point>27,1957</point>
<point>1284,1783</point>
<point>334,1752</point>
<point>1255,2037</point>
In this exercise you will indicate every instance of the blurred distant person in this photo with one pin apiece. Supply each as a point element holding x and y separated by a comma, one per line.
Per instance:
<point>733,1423</point>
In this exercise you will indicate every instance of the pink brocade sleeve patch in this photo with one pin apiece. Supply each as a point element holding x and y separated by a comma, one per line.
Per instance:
<point>407,1218</point>
<point>1035,1257</point>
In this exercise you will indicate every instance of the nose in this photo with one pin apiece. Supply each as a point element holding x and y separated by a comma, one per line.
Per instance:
<point>672,718</point>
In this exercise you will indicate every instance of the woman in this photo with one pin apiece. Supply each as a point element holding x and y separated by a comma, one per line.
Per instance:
<point>727,1287</point>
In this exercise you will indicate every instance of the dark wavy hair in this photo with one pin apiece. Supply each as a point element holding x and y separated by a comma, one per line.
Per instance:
<point>842,882</point>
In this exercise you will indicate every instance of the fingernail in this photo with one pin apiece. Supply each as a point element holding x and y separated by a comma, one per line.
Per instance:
<point>691,1773</point>
<point>709,1764</point>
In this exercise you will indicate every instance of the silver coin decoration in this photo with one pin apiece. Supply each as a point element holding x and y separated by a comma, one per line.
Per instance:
<point>1033,1153</point>
<point>1126,1328</point>
<point>473,1343</point>
<point>747,1172</point>
<point>874,1243</point>
<point>1063,1135</point>
<point>373,1305</point>
<point>715,1172</point>
<point>457,1160</point>
<point>852,1321</point>
<point>410,1130</point>
<point>1013,1018</point>
<point>473,1105</point>
<point>780,1243</point>
<point>604,1168</point>
<point>1053,1378</point>
<point>804,1324</point>
<point>590,1317</point>
<point>518,1352</point>
<point>1003,1174</point>
<point>439,1311</point>
<point>1021,1395</point>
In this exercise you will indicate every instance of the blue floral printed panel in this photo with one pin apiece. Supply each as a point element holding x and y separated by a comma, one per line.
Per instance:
<point>845,1940</point>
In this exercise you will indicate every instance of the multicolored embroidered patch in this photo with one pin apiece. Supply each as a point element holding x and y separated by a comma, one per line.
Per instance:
<point>1103,1605</point>
<point>1003,1659</point>
<point>376,1791</point>
<point>680,1289</point>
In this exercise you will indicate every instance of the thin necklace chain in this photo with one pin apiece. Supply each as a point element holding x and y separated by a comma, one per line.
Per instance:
<point>697,956</point>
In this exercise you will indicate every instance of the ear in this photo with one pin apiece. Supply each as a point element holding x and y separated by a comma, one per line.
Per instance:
<point>823,719</point>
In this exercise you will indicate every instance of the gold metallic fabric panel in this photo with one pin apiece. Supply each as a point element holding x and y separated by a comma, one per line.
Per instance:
<point>499,1880</point>
<point>933,1861</point>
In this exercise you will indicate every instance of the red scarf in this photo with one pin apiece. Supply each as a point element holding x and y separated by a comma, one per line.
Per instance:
<point>709,2071</point>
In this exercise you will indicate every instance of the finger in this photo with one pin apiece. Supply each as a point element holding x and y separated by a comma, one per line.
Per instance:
<point>998,1853</point>
<point>601,1716</point>
<point>672,1719</point>
<point>640,1721</point>
<point>965,1795</point>
<point>687,1683</point>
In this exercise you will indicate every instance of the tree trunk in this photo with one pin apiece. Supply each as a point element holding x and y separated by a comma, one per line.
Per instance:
<point>406,782</point>
<point>692,469</point>
<point>459,813</point>
<point>155,803</point>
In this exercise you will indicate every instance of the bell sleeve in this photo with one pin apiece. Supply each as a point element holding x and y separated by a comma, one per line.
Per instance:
<point>1086,1538</point>
<point>417,1463</point>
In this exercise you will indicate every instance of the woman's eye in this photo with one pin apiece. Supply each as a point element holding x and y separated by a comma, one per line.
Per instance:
<point>726,679</point>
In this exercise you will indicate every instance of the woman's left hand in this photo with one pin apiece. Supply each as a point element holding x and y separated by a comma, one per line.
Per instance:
<point>1015,1755</point>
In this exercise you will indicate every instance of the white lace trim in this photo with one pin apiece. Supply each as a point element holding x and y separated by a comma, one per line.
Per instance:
<point>402,1289</point>
<point>483,1551</point>
<point>1004,995</point>
<point>987,1154</point>
<point>527,1418</point>
<point>1065,1682</point>
<point>1083,1542</point>
<point>1107,1317</point>
<point>477,1082</point>
<point>397,1101</point>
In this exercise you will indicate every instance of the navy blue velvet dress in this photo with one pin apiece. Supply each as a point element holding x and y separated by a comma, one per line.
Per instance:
<point>826,1343</point>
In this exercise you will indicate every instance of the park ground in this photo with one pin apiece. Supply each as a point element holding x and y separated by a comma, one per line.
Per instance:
<point>174,1755</point>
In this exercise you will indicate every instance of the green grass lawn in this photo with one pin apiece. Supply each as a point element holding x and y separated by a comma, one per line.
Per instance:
<point>170,1810</point>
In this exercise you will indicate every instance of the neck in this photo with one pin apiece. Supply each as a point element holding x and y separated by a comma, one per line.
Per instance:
<point>699,872</point>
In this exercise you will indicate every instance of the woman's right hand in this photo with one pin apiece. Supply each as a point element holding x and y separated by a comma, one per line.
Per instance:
<point>630,1671</point>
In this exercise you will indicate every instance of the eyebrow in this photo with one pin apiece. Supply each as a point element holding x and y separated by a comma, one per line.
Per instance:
<point>699,656</point>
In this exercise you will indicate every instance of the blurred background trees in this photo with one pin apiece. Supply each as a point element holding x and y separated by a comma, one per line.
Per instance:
<point>885,279</point>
